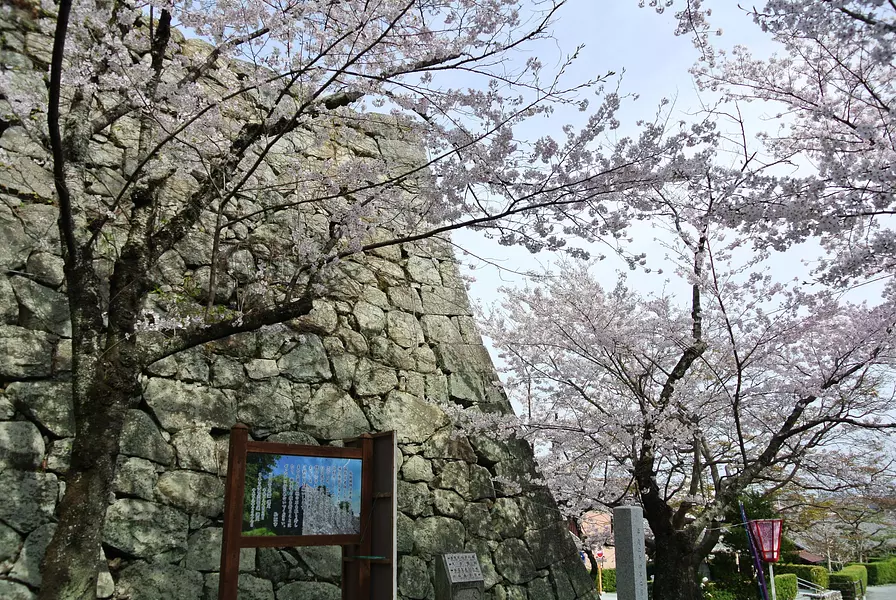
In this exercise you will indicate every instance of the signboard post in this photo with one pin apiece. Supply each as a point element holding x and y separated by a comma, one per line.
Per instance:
<point>282,495</point>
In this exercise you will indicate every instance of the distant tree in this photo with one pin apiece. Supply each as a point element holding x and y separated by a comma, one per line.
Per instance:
<point>833,89</point>
<point>864,527</point>
<point>684,407</point>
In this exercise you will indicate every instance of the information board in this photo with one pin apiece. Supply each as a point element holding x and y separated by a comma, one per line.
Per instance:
<point>301,495</point>
<point>282,495</point>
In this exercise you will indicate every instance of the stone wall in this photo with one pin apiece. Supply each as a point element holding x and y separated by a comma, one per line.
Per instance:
<point>393,342</point>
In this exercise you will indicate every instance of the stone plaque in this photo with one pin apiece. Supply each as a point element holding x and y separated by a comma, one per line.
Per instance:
<point>463,568</point>
<point>459,577</point>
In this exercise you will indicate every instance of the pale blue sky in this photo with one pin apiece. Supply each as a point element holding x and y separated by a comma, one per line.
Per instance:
<point>619,36</point>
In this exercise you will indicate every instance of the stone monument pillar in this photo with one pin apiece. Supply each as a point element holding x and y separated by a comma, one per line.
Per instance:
<point>631,559</point>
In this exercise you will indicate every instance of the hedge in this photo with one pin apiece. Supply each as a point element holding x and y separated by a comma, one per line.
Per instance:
<point>880,573</point>
<point>815,574</point>
<point>713,592</point>
<point>609,580</point>
<point>843,581</point>
<point>785,586</point>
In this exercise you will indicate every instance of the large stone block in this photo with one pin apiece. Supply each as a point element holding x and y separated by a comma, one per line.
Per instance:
<point>26,353</point>
<point>25,177</point>
<point>180,405</point>
<point>192,492</point>
<point>267,405</point>
<point>197,450</point>
<point>29,499</point>
<point>204,552</point>
<point>371,379</point>
<point>16,243</point>
<point>413,419</point>
<point>454,475</point>
<point>7,410</point>
<point>248,586</point>
<point>371,319</point>
<point>276,565</point>
<point>41,307</point>
<point>507,519</point>
<point>448,503</point>
<point>549,544</point>
<point>325,562</point>
<point>514,562</point>
<point>463,358</point>
<point>60,455</point>
<point>21,445</point>
<point>9,306</point>
<point>449,445</point>
<point>156,581</point>
<point>481,484</point>
<point>307,362</point>
<point>27,567</point>
<point>10,545</point>
<point>140,437</point>
<point>135,477</point>
<point>414,499</point>
<point>439,329</point>
<point>417,468</point>
<point>10,590</point>
<point>423,270</point>
<point>404,542</point>
<point>404,329</point>
<point>466,388</point>
<point>309,590</point>
<point>389,353</point>
<point>478,521</point>
<point>444,301</point>
<point>47,402</point>
<point>438,535</point>
<point>405,298</point>
<point>47,268</point>
<point>332,414</point>
<point>147,530</point>
<point>413,578</point>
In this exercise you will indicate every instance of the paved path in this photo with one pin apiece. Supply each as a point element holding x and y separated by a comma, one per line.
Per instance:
<point>881,592</point>
<point>876,592</point>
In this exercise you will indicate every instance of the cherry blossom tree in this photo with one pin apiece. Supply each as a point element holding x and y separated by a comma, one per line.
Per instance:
<point>830,91</point>
<point>230,116</point>
<point>855,525</point>
<point>681,406</point>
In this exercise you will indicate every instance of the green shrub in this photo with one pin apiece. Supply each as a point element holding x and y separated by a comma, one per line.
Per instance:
<point>880,573</point>
<point>785,586</point>
<point>843,581</point>
<point>815,574</point>
<point>609,580</point>
<point>714,592</point>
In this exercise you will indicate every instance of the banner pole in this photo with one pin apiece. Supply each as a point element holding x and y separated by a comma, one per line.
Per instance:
<point>760,573</point>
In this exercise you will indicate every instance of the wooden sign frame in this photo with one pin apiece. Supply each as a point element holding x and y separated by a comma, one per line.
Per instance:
<point>368,557</point>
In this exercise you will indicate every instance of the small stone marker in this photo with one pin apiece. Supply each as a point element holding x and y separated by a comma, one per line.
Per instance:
<point>459,577</point>
<point>631,559</point>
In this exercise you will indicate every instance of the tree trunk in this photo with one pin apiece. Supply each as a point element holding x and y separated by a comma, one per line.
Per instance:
<point>675,569</point>
<point>71,563</point>
<point>105,381</point>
